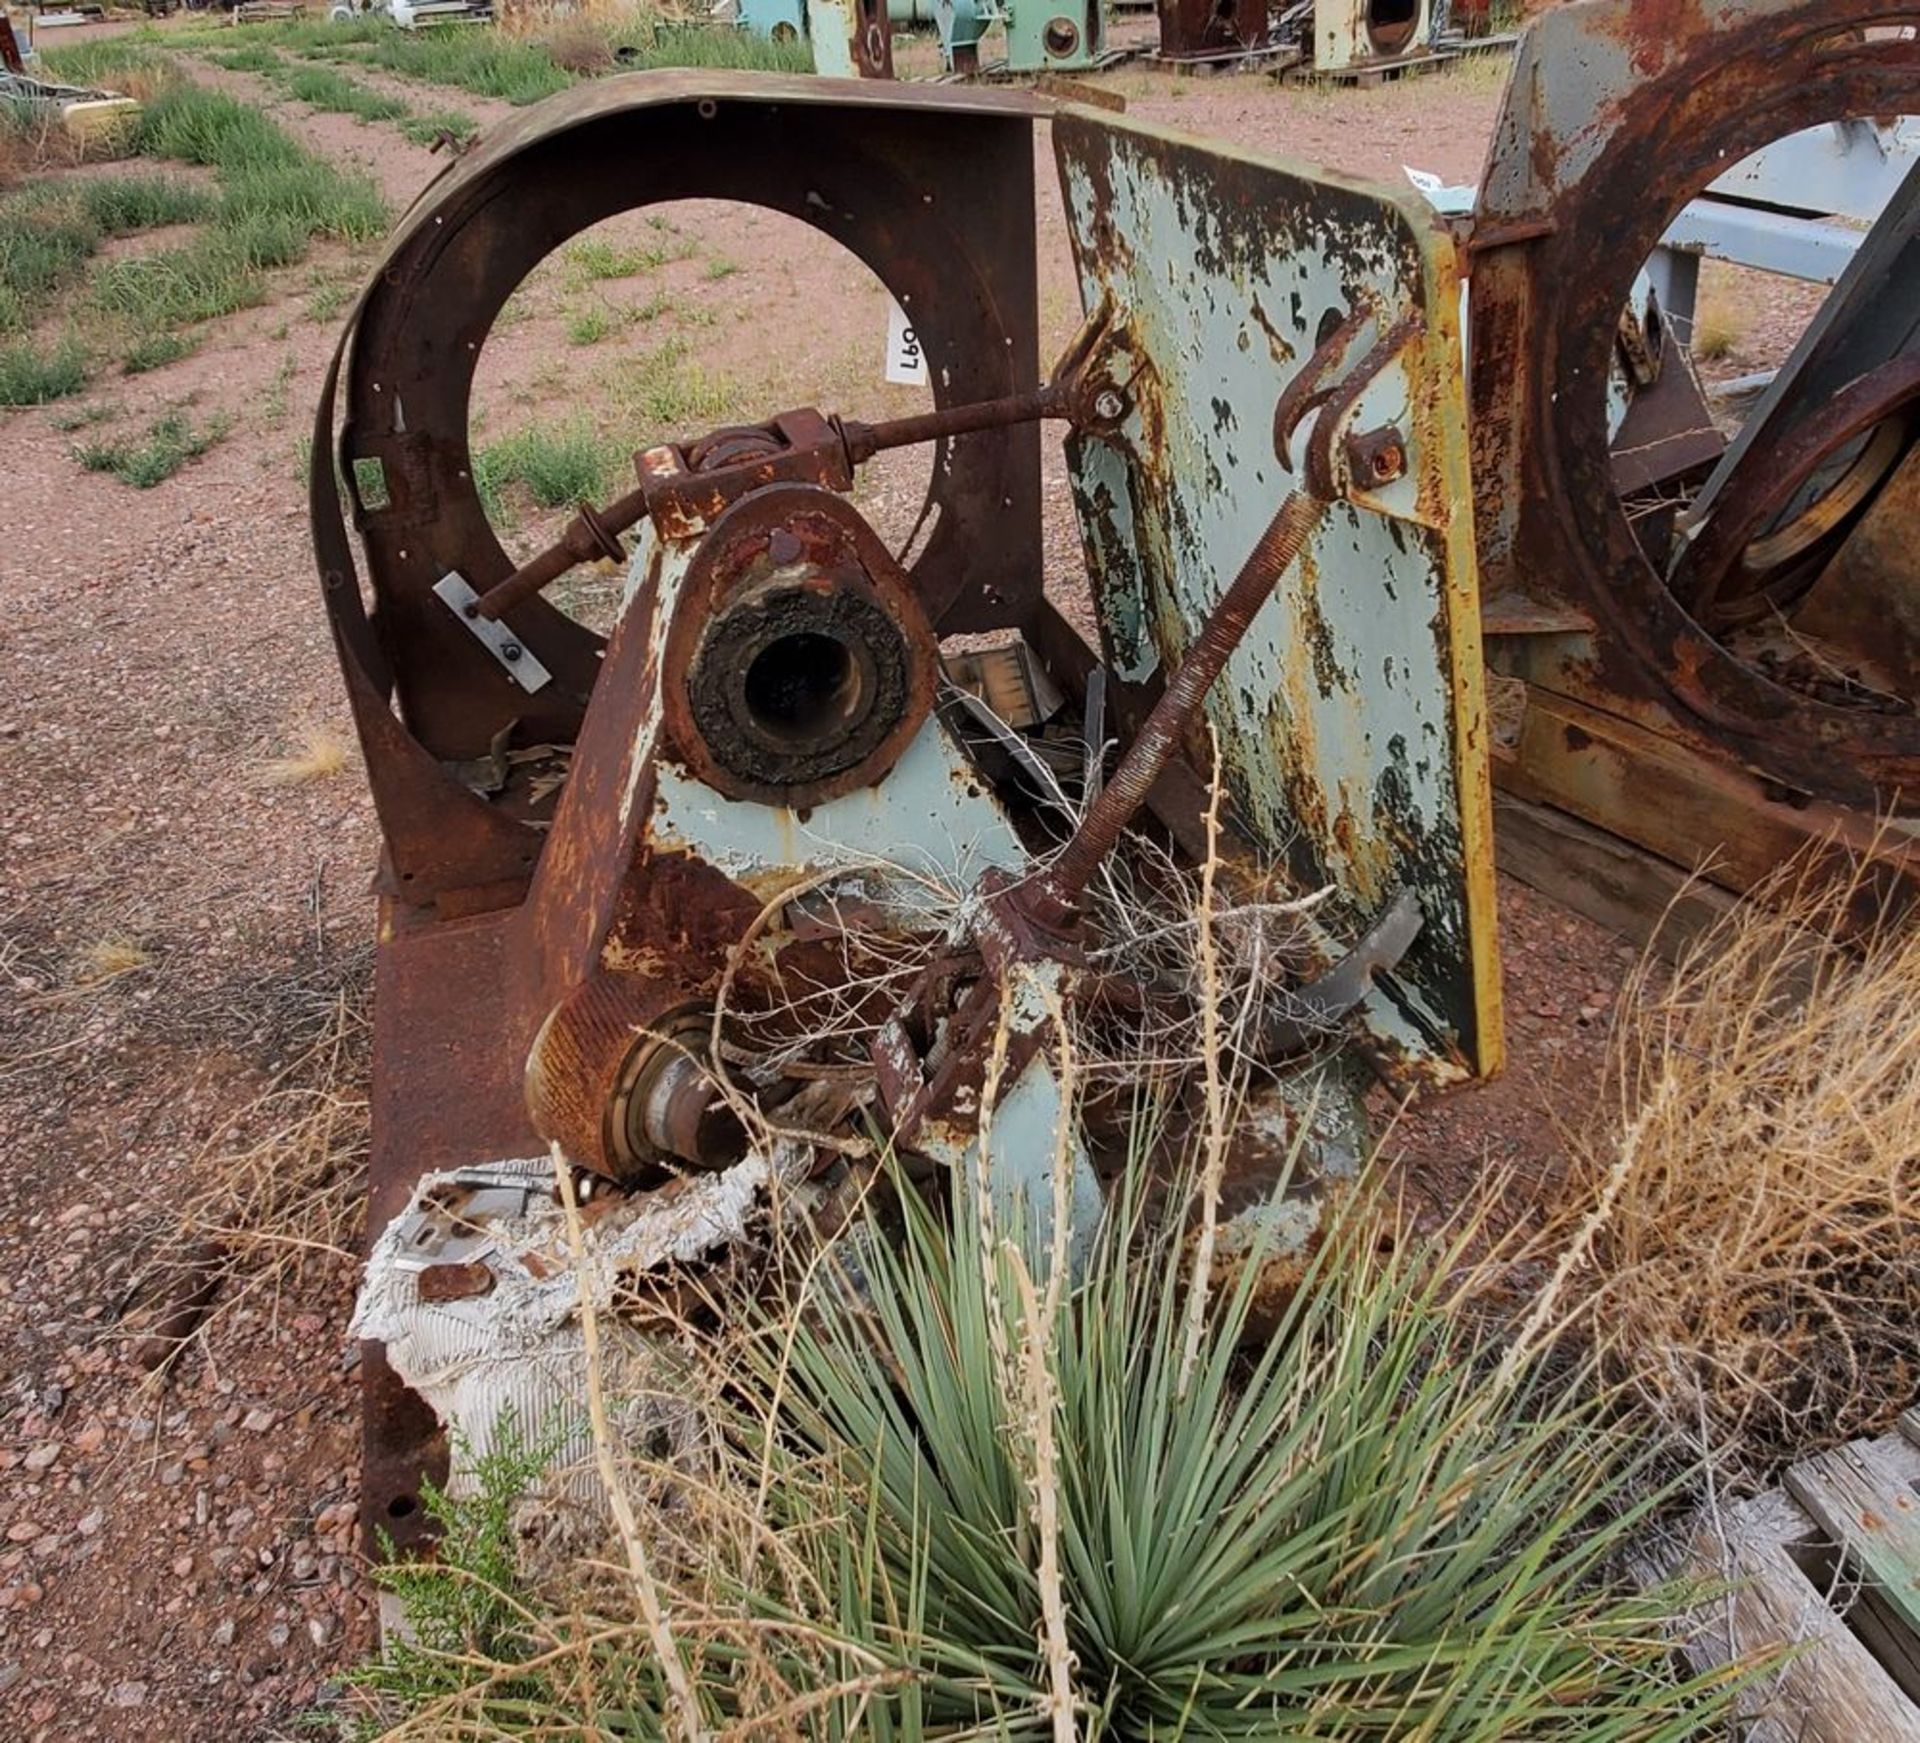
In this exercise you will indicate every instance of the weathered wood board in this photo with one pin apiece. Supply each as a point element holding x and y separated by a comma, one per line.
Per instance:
<point>1829,1566</point>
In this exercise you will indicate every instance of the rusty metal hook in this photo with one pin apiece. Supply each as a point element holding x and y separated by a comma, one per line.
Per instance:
<point>1310,390</point>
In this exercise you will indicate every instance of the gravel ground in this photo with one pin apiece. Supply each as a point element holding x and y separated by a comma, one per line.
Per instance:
<point>176,1561</point>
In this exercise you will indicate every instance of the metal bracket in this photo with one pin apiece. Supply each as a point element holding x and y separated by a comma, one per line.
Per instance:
<point>1316,1009</point>
<point>515,657</point>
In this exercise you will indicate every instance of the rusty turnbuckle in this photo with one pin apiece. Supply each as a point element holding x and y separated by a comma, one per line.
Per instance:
<point>685,486</point>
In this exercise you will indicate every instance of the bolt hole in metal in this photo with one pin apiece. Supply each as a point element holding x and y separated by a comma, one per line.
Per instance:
<point>1702,331</point>
<point>1062,37</point>
<point>803,689</point>
<point>659,317</point>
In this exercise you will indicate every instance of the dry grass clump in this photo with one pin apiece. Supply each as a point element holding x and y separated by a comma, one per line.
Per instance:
<point>579,48</point>
<point>276,1192</point>
<point>109,958</point>
<point>1716,334</point>
<point>320,755</point>
<point>1746,1242</point>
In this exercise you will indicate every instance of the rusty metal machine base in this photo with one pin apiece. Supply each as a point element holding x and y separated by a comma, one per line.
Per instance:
<point>775,866</point>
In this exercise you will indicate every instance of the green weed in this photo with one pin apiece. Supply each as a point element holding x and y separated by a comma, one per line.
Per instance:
<point>249,57</point>
<point>274,403</point>
<point>453,1618</point>
<point>120,205</point>
<point>590,325</point>
<point>155,457</point>
<point>593,258</point>
<point>198,281</point>
<point>156,351</point>
<point>556,467</point>
<point>45,238</point>
<point>32,374</point>
<point>665,393</point>
<point>80,417</point>
<point>719,267</point>
<point>327,299</point>
<point>323,88</point>
<point>48,231</point>
<point>433,125</point>
<point>481,61</point>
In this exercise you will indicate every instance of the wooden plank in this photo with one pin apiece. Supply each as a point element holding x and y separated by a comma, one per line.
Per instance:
<point>1631,892</point>
<point>1910,1427</point>
<point>1686,807</point>
<point>1863,1497</point>
<point>1831,1689</point>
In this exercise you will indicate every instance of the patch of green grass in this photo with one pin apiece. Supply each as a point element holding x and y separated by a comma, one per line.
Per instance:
<point>49,230</point>
<point>174,287</point>
<point>556,467</point>
<point>32,374</point>
<point>80,417</point>
<point>44,240</point>
<point>100,62</point>
<point>481,61</point>
<point>192,124</point>
<point>323,88</point>
<point>273,198</point>
<point>428,127</point>
<point>168,444</point>
<point>309,193</point>
<point>274,402</point>
<point>589,326</point>
<point>697,45</point>
<point>155,351</point>
<point>665,393</point>
<point>660,303</point>
<point>327,299</point>
<point>249,57</point>
<point>122,204</point>
<point>719,267</point>
<point>593,258</point>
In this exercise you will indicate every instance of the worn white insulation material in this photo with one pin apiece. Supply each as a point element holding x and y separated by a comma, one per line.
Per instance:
<point>511,1361</point>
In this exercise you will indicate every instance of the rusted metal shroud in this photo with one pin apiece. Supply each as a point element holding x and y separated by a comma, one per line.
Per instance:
<point>865,164</point>
<point>1617,112</point>
<point>469,969</point>
<point>537,952</point>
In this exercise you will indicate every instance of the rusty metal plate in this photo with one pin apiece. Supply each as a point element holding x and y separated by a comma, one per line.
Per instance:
<point>1350,720</point>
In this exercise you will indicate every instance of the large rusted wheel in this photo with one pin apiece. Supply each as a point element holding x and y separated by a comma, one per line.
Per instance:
<point>1612,123</point>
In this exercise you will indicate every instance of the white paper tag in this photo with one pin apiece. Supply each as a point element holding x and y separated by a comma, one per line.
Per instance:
<point>906,362</point>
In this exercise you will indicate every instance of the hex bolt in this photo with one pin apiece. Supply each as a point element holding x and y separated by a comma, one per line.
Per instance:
<point>1109,405</point>
<point>1377,456</point>
<point>509,650</point>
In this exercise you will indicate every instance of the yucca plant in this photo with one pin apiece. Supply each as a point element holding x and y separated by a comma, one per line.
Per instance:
<point>1360,1528</point>
<point>963,1503</point>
